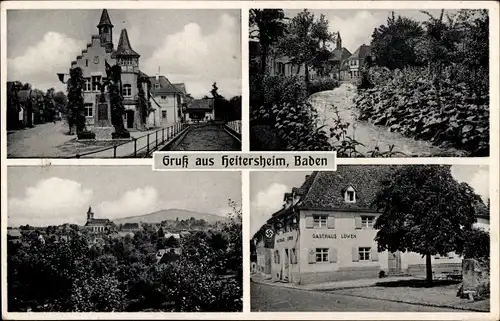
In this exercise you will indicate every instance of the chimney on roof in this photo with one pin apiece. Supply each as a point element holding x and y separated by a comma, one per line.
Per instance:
<point>158,74</point>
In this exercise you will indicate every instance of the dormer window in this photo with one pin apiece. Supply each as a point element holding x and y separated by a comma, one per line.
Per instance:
<point>350,195</point>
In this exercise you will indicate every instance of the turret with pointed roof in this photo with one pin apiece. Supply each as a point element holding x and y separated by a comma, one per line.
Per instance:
<point>339,41</point>
<point>124,49</point>
<point>106,30</point>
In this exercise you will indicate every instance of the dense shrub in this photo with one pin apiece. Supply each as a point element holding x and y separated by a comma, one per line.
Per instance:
<point>447,107</point>
<point>323,84</point>
<point>283,107</point>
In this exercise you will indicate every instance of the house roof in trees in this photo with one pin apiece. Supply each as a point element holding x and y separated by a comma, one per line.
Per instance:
<point>124,48</point>
<point>361,52</point>
<point>327,188</point>
<point>166,87</point>
<point>339,54</point>
<point>130,226</point>
<point>14,233</point>
<point>200,104</point>
<point>24,95</point>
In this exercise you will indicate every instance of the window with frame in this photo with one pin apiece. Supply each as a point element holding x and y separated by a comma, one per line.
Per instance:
<point>163,97</point>
<point>320,221</point>
<point>321,255</point>
<point>96,80</point>
<point>157,86</point>
<point>367,221</point>
<point>164,114</point>
<point>89,110</point>
<point>350,195</point>
<point>127,90</point>
<point>364,253</point>
<point>88,85</point>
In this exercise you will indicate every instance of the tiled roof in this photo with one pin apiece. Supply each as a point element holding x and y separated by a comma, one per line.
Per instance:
<point>166,87</point>
<point>339,54</point>
<point>203,104</point>
<point>14,233</point>
<point>181,87</point>
<point>105,21</point>
<point>98,221</point>
<point>124,48</point>
<point>361,53</point>
<point>327,188</point>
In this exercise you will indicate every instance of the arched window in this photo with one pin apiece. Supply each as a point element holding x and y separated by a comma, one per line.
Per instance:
<point>127,90</point>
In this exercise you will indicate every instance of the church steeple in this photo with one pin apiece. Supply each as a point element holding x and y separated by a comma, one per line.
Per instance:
<point>105,29</point>
<point>90,214</point>
<point>339,41</point>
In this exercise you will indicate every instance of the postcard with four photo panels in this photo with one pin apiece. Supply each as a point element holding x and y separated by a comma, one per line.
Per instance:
<point>243,160</point>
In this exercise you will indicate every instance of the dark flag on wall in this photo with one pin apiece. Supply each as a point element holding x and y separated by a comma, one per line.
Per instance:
<point>108,69</point>
<point>269,233</point>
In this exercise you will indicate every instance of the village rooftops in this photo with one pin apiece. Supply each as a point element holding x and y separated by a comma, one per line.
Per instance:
<point>201,104</point>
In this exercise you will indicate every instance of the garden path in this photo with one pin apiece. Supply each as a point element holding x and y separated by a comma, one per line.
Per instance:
<point>366,133</point>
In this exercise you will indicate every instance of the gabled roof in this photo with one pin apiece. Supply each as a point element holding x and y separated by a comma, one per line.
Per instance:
<point>14,233</point>
<point>124,48</point>
<point>98,221</point>
<point>361,52</point>
<point>200,104</point>
<point>181,87</point>
<point>166,87</point>
<point>339,54</point>
<point>105,21</point>
<point>326,191</point>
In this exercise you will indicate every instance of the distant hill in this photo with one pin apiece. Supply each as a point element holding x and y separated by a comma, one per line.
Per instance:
<point>171,215</point>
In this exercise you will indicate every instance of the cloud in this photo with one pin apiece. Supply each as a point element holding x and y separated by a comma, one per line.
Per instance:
<point>355,30</point>
<point>265,203</point>
<point>476,177</point>
<point>53,53</point>
<point>199,59</point>
<point>51,201</point>
<point>136,202</point>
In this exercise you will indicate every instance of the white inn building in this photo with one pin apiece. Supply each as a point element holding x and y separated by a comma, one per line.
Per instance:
<point>324,232</point>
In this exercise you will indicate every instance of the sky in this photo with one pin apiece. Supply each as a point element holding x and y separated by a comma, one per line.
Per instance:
<point>267,189</point>
<point>196,47</point>
<point>53,195</point>
<point>356,26</point>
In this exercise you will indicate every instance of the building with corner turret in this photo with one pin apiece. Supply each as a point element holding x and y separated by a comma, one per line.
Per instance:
<point>92,61</point>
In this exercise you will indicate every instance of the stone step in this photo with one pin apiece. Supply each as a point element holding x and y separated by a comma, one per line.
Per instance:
<point>103,133</point>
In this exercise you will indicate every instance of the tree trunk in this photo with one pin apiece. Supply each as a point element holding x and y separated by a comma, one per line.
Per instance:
<point>263,60</point>
<point>306,69</point>
<point>428,269</point>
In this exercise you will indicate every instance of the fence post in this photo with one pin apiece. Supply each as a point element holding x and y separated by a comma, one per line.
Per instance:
<point>135,147</point>
<point>147,145</point>
<point>114,151</point>
<point>77,156</point>
<point>162,135</point>
<point>156,140</point>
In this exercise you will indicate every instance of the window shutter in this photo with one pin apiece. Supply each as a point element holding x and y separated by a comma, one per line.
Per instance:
<point>309,222</point>
<point>333,255</point>
<point>374,254</point>
<point>311,256</point>
<point>331,222</point>
<point>357,222</point>
<point>355,254</point>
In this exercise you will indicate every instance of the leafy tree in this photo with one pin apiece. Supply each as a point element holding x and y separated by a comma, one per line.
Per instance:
<point>394,45</point>
<point>76,112</point>
<point>267,26</point>
<point>304,40</point>
<point>424,210</point>
<point>477,246</point>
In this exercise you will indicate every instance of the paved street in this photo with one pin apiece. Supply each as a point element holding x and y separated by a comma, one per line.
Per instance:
<point>208,138</point>
<point>279,299</point>
<point>365,132</point>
